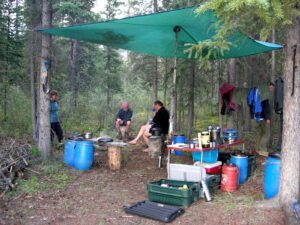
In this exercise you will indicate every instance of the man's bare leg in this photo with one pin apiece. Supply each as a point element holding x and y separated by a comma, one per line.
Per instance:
<point>117,125</point>
<point>128,124</point>
<point>143,129</point>
<point>123,132</point>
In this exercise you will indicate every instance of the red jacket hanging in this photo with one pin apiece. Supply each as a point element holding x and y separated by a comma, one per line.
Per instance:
<point>226,92</point>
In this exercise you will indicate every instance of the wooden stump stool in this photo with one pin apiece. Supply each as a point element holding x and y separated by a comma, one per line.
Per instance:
<point>114,157</point>
<point>154,146</point>
<point>114,154</point>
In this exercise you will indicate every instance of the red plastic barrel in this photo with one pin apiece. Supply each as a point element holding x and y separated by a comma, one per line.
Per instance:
<point>229,180</point>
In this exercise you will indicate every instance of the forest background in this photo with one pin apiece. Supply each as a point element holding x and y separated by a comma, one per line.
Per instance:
<point>93,80</point>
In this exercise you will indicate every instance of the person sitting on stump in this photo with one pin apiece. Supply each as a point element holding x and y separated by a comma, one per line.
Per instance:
<point>55,124</point>
<point>123,118</point>
<point>160,120</point>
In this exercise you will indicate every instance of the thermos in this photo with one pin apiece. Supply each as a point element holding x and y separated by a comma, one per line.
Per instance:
<point>207,195</point>
<point>159,161</point>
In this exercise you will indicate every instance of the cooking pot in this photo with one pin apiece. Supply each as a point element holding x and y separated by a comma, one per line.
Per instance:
<point>156,131</point>
<point>105,140</point>
<point>88,135</point>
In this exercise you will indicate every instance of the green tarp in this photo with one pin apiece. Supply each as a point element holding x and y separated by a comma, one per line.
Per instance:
<point>153,34</point>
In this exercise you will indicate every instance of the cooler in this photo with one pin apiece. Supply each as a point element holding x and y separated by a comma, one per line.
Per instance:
<point>211,168</point>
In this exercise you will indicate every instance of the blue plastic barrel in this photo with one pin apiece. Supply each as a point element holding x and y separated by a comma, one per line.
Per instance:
<point>84,155</point>
<point>208,156</point>
<point>181,140</point>
<point>271,177</point>
<point>69,152</point>
<point>242,163</point>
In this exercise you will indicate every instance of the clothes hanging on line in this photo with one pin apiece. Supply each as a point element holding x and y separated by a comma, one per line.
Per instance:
<point>226,92</point>
<point>254,103</point>
<point>266,110</point>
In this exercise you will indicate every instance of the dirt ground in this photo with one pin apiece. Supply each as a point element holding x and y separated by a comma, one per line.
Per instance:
<point>98,197</point>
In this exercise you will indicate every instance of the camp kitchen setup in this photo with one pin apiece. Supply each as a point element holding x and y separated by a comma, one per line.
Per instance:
<point>212,169</point>
<point>219,161</point>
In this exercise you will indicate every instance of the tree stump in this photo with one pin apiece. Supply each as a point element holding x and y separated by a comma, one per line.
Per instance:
<point>154,146</point>
<point>114,157</point>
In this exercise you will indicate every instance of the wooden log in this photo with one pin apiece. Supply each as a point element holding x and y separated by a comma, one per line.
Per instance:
<point>114,157</point>
<point>154,146</point>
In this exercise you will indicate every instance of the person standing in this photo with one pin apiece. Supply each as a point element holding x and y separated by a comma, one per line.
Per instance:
<point>54,119</point>
<point>123,119</point>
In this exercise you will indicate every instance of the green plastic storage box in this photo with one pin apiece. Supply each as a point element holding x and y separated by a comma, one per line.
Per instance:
<point>213,182</point>
<point>172,194</point>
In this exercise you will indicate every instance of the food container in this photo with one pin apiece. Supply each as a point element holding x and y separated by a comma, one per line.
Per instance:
<point>211,168</point>
<point>230,135</point>
<point>205,139</point>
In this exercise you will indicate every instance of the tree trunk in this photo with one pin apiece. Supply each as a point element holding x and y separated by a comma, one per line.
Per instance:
<point>180,110</point>
<point>231,73</point>
<point>155,6</point>
<point>191,99</point>
<point>175,107</point>
<point>212,83</point>
<point>7,62</point>
<point>108,72</point>
<point>173,100</point>
<point>231,80</point>
<point>173,115</point>
<point>33,89</point>
<point>73,71</point>
<point>33,43</point>
<point>219,96</point>
<point>154,79</point>
<point>155,64</point>
<point>166,76</point>
<point>290,155</point>
<point>272,79</point>
<point>273,63</point>
<point>44,103</point>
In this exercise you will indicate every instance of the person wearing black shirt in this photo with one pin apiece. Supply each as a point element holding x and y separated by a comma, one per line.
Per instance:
<point>160,120</point>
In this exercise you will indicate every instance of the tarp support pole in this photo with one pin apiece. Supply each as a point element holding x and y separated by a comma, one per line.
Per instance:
<point>176,30</point>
